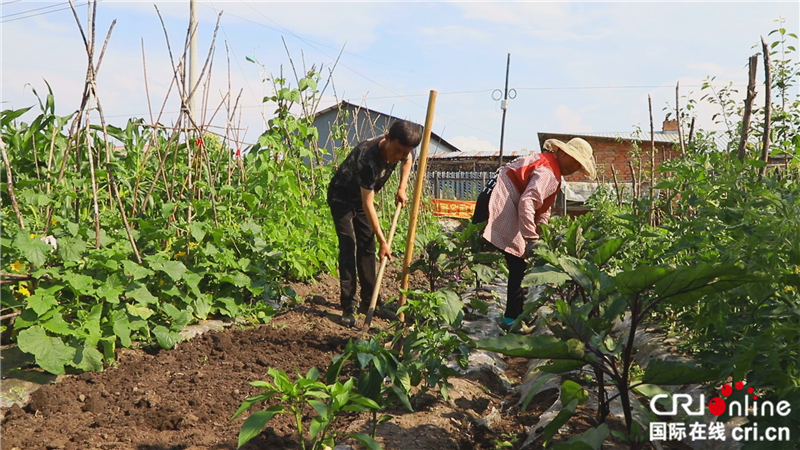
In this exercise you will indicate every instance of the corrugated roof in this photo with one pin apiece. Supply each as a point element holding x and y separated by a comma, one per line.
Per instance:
<point>474,154</point>
<point>671,137</point>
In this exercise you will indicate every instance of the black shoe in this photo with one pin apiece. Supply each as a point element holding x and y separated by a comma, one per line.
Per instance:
<point>348,320</point>
<point>349,317</point>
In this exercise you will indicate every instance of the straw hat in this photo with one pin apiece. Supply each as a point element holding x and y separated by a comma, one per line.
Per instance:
<point>578,149</point>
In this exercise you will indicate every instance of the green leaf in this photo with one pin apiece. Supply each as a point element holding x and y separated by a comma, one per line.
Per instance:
<point>546,274</point>
<point>51,353</point>
<point>175,269</point>
<point>80,284</point>
<point>579,271</point>
<point>563,416</point>
<point>197,231</point>
<point>690,283</point>
<point>253,425</point>
<point>562,365</point>
<point>320,407</point>
<point>451,309</point>
<point>179,318</point>
<point>237,279</point>
<point>572,391</point>
<point>543,347</point>
<point>649,390</point>
<point>121,327</point>
<point>141,294</point>
<point>71,249</point>
<point>57,325</point>
<point>316,425</point>
<point>135,270</point>
<point>606,250</point>
<point>591,439</point>
<point>166,338</point>
<point>484,273</point>
<point>32,248</point>
<point>536,387</point>
<point>113,288</point>
<point>677,372</point>
<point>202,307</point>
<point>366,440</point>
<point>91,325</point>
<point>88,359</point>
<point>43,300</point>
<point>8,116</point>
<point>633,282</point>
<point>139,311</point>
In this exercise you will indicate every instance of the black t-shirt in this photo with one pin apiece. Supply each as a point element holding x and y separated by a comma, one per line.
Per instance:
<point>364,168</point>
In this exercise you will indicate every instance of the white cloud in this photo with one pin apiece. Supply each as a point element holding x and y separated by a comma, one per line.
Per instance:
<point>453,35</point>
<point>520,14</point>
<point>472,143</point>
<point>333,22</point>
<point>568,120</point>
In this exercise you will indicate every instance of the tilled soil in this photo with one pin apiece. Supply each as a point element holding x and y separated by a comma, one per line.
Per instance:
<point>184,398</point>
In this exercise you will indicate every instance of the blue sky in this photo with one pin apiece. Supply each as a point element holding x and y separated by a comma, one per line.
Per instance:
<point>576,67</point>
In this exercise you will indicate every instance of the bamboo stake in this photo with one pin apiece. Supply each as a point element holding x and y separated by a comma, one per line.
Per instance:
<point>418,188</point>
<point>376,292</point>
<point>616,186</point>
<point>767,108</point>
<point>748,106</point>
<point>10,184</point>
<point>678,116</point>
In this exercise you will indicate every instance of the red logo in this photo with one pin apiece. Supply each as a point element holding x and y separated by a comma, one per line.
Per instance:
<point>716,405</point>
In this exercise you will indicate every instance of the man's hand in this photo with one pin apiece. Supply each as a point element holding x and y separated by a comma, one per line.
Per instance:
<point>401,197</point>
<point>384,251</point>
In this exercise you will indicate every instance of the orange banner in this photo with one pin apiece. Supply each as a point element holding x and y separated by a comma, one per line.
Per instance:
<point>453,208</point>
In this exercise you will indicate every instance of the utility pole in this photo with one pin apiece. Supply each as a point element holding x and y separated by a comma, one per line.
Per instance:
<point>504,106</point>
<point>193,28</point>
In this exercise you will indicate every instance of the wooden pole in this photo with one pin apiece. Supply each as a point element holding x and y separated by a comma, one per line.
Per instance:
<point>767,107</point>
<point>650,213</point>
<point>748,107</point>
<point>10,184</point>
<point>376,292</point>
<point>616,186</point>
<point>678,117</point>
<point>418,186</point>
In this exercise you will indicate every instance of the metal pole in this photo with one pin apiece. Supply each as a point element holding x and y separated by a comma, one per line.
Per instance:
<point>418,188</point>
<point>192,59</point>
<point>504,107</point>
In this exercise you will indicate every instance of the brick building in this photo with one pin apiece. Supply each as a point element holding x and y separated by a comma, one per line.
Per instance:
<point>617,150</point>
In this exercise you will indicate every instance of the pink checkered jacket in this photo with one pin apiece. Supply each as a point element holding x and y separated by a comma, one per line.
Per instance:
<point>522,199</point>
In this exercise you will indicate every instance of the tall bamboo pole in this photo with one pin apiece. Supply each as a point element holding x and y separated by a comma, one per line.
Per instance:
<point>767,107</point>
<point>748,107</point>
<point>418,187</point>
<point>10,184</point>
<point>678,117</point>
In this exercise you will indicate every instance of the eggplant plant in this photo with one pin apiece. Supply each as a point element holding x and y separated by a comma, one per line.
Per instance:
<point>595,322</point>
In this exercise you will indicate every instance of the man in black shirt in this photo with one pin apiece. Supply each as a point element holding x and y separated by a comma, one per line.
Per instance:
<point>351,196</point>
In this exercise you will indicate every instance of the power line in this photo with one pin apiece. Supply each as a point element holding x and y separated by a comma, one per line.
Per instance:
<point>329,56</point>
<point>41,13</point>
<point>35,9</point>
<point>309,42</point>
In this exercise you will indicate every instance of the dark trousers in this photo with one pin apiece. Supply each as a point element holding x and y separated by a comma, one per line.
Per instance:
<point>356,254</point>
<point>516,294</point>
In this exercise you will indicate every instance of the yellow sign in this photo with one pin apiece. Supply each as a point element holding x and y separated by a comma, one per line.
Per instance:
<point>453,208</point>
